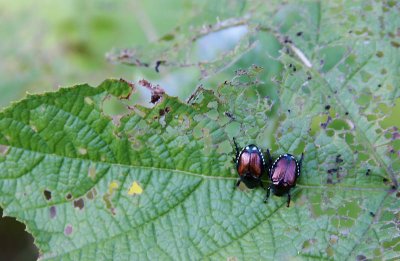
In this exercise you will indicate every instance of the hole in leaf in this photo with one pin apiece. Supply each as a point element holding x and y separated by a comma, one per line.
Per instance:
<point>68,196</point>
<point>156,91</point>
<point>210,46</point>
<point>47,194</point>
<point>112,106</point>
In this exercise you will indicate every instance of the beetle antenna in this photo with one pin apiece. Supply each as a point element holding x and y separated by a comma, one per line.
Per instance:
<point>301,159</point>
<point>269,157</point>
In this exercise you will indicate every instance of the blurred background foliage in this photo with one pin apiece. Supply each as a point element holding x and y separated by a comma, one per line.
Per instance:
<point>48,44</point>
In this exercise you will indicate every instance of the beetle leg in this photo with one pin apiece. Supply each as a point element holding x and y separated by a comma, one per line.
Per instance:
<point>236,147</point>
<point>267,195</point>
<point>288,199</point>
<point>269,157</point>
<point>262,185</point>
<point>301,162</point>
<point>237,183</point>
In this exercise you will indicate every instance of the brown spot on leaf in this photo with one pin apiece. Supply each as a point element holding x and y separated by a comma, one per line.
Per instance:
<point>47,194</point>
<point>395,44</point>
<point>156,95</point>
<point>368,172</point>
<point>327,107</point>
<point>109,204</point>
<point>68,196</point>
<point>333,239</point>
<point>79,203</point>
<point>162,112</point>
<point>91,194</point>
<point>361,258</point>
<point>53,212</point>
<point>68,230</point>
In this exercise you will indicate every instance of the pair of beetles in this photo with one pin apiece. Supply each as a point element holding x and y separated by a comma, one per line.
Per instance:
<point>283,172</point>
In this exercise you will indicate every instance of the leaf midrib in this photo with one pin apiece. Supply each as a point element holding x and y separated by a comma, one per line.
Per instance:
<point>181,172</point>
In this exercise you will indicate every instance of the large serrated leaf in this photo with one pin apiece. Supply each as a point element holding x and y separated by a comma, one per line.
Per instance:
<point>158,183</point>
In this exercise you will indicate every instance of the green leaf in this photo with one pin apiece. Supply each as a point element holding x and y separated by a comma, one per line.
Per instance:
<point>158,182</point>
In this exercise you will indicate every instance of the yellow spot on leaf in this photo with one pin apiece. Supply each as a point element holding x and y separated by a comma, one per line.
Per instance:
<point>113,186</point>
<point>135,189</point>
<point>88,100</point>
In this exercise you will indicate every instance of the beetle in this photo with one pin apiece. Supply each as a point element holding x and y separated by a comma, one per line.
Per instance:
<point>283,174</point>
<point>250,165</point>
